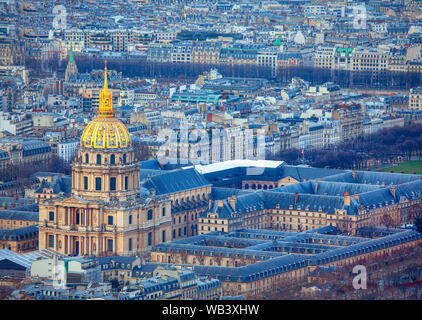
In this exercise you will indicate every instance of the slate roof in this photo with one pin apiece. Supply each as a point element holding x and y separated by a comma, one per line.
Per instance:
<point>19,215</point>
<point>320,247</point>
<point>28,232</point>
<point>116,262</point>
<point>58,184</point>
<point>300,173</point>
<point>311,202</point>
<point>175,181</point>
<point>236,174</point>
<point>327,188</point>
<point>19,202</point>
<point>374,178</point>
<point>224,193</point>
<point>208,251</point>
<point>366,246</point>
<point>255,271</point>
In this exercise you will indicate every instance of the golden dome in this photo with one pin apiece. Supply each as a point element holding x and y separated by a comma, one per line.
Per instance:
<point>105,131</point>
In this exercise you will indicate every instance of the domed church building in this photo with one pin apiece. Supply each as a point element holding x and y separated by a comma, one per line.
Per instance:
<point>105,214</point>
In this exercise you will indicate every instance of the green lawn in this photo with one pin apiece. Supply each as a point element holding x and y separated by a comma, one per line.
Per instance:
<point>406,167</point>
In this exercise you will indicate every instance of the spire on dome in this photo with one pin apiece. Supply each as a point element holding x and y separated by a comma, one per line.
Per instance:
<point>106,108</point>
<point>105,76</point>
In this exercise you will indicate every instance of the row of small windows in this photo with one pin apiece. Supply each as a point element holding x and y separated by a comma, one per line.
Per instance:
<point>98,183</point>
<point>109,218</point>
<point>163,236</point>
<point>112,159</point>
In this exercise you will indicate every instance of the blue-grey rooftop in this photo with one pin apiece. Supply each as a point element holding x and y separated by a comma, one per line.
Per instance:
<point>316,247</point>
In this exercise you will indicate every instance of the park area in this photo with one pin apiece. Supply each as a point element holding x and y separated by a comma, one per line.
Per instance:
<point>406,167</point>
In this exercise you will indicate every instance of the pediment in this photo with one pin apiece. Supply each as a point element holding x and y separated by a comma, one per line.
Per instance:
<point>288,179</point>
<point>74,200</point>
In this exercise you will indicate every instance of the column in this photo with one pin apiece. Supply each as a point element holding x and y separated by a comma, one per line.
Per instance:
<point>70,248</point>
<point>66,244</point>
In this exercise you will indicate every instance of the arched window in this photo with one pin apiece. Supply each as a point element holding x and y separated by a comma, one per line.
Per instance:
<point>98,158</point>
<point>124,158</point>
<point>112,159</point>
<point>149,215</point>
<point>246,186</point>
<point>86,158</point>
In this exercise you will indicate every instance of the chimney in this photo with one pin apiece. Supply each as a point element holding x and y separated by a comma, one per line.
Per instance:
<point>296,196</point>
<point>220,203</point>
<point>346,198</point>
<point>353,174</point>
<point>232,201</point>
<point>357,196</point>
<point>393,191</point>
<point>316,186</point>
<point>15,197</point>
<point>209,203</point>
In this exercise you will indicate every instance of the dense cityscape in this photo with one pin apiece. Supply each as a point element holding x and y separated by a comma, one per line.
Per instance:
<point>211,150</point>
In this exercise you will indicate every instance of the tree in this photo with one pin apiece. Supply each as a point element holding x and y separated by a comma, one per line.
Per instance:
<point>387,221</point>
